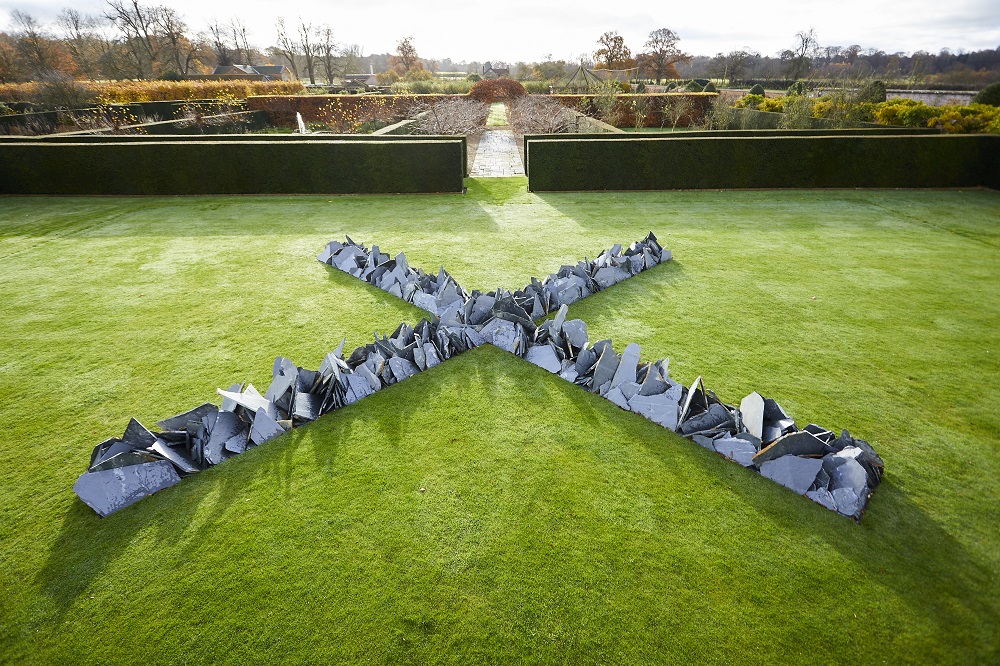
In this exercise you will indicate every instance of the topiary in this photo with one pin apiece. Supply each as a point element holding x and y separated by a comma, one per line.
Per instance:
<point>496,90</point>
<point>757,89</point>
<point>473,77</point>
<point>671,86</point>
<point>797,89</point>
<point>873,91</point>
<point>989,95</point>
<point>694,86</point>
<point>710,88</point>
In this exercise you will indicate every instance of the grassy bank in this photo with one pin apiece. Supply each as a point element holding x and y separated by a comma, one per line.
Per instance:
<point>552,527</point>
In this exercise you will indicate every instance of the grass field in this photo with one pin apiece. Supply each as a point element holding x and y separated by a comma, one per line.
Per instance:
<point>553,527</point>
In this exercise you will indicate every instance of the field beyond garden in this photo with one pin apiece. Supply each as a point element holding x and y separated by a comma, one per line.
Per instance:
<point>486,511</point>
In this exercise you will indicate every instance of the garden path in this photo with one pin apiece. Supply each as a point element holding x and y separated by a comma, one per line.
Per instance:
<point>497,153</point>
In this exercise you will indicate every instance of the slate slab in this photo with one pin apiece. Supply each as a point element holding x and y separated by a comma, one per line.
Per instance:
<point>752,410</point>
<point>109,490</point>
<point>800,443</point>
<point>792,472</point>
<point>544,356</point>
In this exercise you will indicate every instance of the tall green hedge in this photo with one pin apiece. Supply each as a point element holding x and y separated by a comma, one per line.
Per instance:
<point>764,162</point>
<point>231,167</point>
<point>273,138</point>
<point>628,136</point>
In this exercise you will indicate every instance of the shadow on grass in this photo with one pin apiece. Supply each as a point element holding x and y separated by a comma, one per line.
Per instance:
<point>192,510</point>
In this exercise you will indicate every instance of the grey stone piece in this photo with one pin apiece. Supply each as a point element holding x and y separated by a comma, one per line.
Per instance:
<point>180,461</point>
<point>544,356</point>
<point>419,358</point>
<point>227,426</point>
<point>824,497</point>
<point>307,406</point>
<point>249,399</point>
<point>605,277</point>
<point>607,366</point>
<point>430,352</point>
<point>122,459</point>
<point>107,449</point>
<point>181,421</point>
<point>109,490</point>
<point>792,472</point>
<point>357,388</point>
<point>799,443</point>
<point>629,389</point>
<point>585,361</point>
<point>501,333</point>
<point>689,399</point>
<point>850,475</point>
<point>627,365</point>
<point>373,382</point>
<point>402,368</point>
<point>752,409</point>
<point>653,383</point>
<point>575,331</point>
<point>425,302</point>
<point>714,418</point>
<point>849,502</point>
<point>136,435</point>
<point>331,248</point>
<point>603,389</point>
<point>616,396</point>
<point>264,428</point>
<point>706,442</point>
<point>569,374</point>
<point>736,449</point>
<point>749,438</point>
<point>660,409</point>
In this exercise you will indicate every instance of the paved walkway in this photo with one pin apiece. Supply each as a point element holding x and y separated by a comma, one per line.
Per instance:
<point>497,156</point>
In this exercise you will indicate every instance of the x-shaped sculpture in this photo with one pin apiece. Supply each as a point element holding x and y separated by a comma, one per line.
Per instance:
<point>839,472</point>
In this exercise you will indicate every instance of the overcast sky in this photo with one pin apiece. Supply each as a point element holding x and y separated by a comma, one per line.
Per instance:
<point>518,30</point>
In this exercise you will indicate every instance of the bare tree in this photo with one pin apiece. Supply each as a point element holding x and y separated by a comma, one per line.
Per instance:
<point>33,45</point>
<point>327,49</point>
<point>176,46</point>
<point>287,47</point>
<point>79,36</point>
<point>220,45</point>
<point>731,65</point>
<point>799,59</point>
<point>613,52</point>
<point>662,54</point>
<point>308,49</point>
<point>241,42</point>
<point>138,25</point>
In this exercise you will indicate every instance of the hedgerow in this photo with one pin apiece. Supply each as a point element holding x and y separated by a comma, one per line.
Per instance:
<point>126,92</point>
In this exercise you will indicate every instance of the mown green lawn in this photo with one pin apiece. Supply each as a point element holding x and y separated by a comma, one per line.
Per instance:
<point>552,526</point>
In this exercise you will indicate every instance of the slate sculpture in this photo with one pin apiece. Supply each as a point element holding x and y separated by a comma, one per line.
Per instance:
<point>837,471</point>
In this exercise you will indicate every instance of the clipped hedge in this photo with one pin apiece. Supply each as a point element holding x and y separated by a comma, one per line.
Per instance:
<point>231,167</point>
<point>627,136</point>
<point>276,138</point>
<point>764,162</point>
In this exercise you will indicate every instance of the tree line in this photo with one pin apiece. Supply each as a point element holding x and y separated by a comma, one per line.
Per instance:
<point>131,40</point>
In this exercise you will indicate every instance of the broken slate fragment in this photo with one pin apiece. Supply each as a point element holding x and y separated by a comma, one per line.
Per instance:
<point>752,409</point>
<point>800,443</point>
<point>112,489</point>
<point>792,472</point>
<point>544,357</point>
<point>736,449</point>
